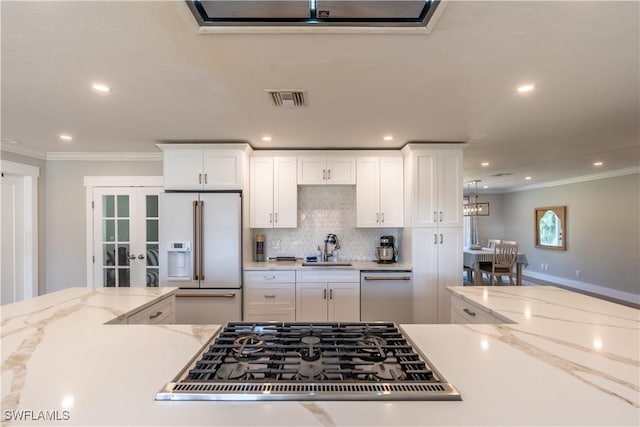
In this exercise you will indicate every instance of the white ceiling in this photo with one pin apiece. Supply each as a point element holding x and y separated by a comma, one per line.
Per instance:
<point>456,84</point>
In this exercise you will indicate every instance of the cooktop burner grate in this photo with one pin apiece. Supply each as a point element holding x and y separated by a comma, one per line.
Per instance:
<point>309,361</point>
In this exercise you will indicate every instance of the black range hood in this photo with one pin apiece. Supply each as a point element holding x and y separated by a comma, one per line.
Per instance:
<point>355,13</point>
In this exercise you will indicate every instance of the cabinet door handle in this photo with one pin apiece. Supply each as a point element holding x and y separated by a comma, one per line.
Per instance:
<point>157,314</point>
<point>206,175</point>
<point>441,216</point>
<point>199,178</point>
<point>269,277</point>
<point>270,218</point>
<point>435,239</point>
<point>330,293</point>
<point>140,256</point>
<point>269,296</point>
<point>377,218</point>
<point>441,238</point>
<point>382,215</point>
<point>328,173</point>
<point>275,215</point>
<point>132,257</point>
<point>435,214</point>
<point>324,174</point>
<point>469,312</point>
<point>325,294</point>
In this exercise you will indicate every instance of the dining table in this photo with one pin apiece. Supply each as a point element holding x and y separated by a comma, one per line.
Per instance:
<point>473,258</point>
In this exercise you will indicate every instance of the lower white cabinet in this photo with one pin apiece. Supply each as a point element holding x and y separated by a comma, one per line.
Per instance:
<point>463,312</point>
<point>161,312</point>
<point>328,296</point>
<point>269,295</point>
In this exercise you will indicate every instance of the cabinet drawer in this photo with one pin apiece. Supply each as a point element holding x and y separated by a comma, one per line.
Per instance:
<point>272,316</point>
<point>315,276</point>
<point>160,312</point>
<point>269,276</point>
<point>465,312</point>
<point>270,296</point>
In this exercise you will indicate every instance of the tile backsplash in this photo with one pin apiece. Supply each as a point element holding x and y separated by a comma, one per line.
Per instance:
<point>325,209</point>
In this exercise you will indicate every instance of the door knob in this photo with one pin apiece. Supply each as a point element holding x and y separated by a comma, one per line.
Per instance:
<point>132,257</point>
<point>140,256</point>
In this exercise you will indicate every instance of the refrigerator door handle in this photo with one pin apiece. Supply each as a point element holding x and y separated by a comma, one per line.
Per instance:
<point>195,240</point>
<point>201,246</point>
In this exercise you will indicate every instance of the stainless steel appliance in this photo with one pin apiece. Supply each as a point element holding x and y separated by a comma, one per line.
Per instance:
<point>386,296</point>
<point>309,361</point>
<point>200,249</point>
<point>387,253</point>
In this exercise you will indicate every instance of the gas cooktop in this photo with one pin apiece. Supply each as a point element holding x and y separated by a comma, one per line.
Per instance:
<point>309,361</point>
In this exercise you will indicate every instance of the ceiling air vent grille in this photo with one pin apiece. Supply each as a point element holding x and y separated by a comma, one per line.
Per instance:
<point>288,98</point>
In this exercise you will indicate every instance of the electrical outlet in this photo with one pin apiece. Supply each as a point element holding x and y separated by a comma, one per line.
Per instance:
<point>541,266</point>
<point>578,273</point>
<point>546,267</point>
<point>275,244</point>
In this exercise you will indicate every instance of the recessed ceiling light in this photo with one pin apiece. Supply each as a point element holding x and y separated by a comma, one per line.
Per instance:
<point>388,137</point>
<point>65,137</point>
<point>485,186</point>
<point>266,138</point>
<point>526,88</point>
<point>484,164</point>
<point>101,87</point>
<point>528,178</point>
<point>598,164</point>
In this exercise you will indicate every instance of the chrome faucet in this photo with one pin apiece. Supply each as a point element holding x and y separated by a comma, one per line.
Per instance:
<point>333,239</point>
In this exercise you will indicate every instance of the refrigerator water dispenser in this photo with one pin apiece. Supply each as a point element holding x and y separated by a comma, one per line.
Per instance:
<point>179,261</point>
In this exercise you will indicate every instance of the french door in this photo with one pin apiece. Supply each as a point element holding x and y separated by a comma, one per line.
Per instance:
<point>125,240</point>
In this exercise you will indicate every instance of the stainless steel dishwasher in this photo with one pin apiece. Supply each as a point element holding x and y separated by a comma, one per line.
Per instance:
<point>386,296</point>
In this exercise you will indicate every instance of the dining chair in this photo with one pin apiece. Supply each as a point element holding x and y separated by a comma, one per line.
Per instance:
<point>504,258</point>
<point>493,242</point>
<point>510,242</point>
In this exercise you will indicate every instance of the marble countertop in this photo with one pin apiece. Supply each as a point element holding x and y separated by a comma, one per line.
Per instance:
<point>567,359</point>
<point>297,265</point>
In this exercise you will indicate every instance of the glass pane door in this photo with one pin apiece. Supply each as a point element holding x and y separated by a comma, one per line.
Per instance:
<point>126,236</point>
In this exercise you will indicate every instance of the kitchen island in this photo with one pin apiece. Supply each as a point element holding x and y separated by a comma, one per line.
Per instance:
<point>567,359</point>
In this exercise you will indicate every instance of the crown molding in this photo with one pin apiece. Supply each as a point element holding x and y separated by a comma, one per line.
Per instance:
<point>105,157</point>
<point>23,150</point>
<point>577,179</point>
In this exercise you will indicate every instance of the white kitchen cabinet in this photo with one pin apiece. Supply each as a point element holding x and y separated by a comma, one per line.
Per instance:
<point>437,263</point>
<point>193,167</point>
<point>379,192</point>
<point>269,296</point>
<point>321,170</point>
<point>435,195</point>
<point>161,312</point>
<point>332,296</point>
<point>274,196</point>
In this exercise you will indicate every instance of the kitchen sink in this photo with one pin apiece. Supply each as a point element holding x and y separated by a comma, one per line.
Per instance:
<point>326,264</point>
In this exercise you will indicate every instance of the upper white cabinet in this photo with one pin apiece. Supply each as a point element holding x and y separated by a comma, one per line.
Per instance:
<point>320,170</point>
<point>193,167</point>
<point>379,192</point>
<point>274,195</point>
<point>435,194</point>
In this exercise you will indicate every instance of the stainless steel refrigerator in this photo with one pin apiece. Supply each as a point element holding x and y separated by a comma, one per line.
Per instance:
<point>201,253</point>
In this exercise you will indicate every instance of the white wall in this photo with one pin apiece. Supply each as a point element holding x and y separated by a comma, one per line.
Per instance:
<point>602,231</point>
<point>65,214</point>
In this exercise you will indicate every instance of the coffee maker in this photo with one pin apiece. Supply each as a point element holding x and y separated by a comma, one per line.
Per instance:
<point>387,253</point>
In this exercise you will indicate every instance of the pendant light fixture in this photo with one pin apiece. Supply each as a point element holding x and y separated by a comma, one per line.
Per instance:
<point>472,207</point>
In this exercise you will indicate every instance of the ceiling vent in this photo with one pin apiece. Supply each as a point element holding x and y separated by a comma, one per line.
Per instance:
<point>288,98</point>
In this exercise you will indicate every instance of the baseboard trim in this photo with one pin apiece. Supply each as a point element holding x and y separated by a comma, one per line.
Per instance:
<point>586,287</point>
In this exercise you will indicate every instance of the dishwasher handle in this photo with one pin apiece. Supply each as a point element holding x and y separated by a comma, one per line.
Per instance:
<point>387,277</point>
